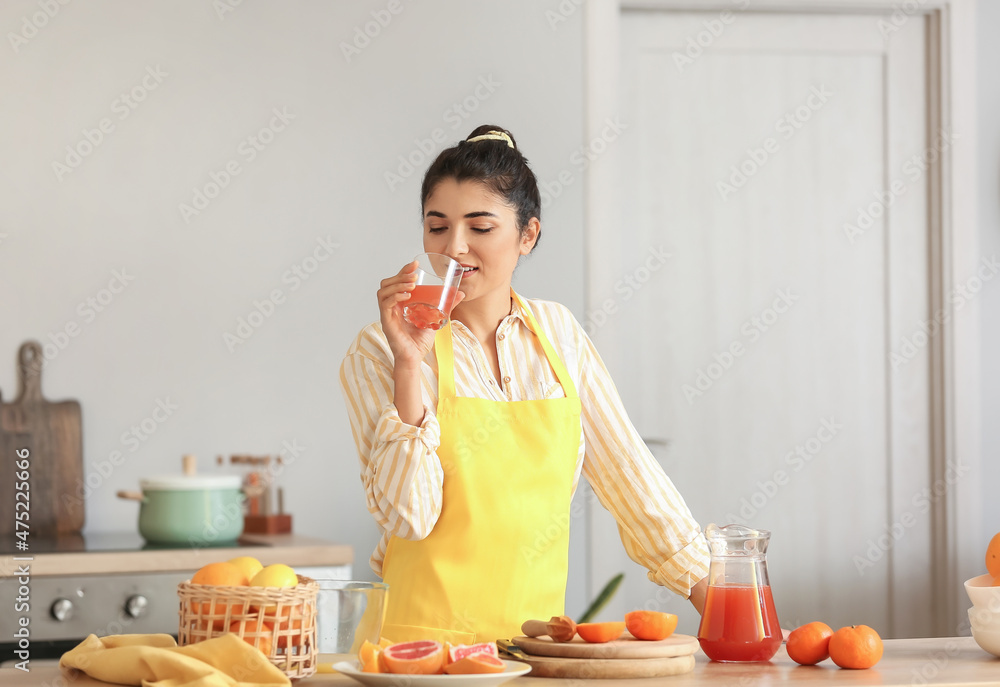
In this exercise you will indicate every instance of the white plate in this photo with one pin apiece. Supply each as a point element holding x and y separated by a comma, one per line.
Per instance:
<point>512,669</point>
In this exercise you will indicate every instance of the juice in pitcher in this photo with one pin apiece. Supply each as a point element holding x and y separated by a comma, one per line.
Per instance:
<point>740,622</point>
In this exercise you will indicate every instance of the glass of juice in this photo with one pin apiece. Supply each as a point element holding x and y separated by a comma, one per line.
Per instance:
<point>434,295</point>
<point>740,622</point>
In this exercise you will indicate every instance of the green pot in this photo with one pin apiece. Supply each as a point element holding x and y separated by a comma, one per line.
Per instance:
<point>197,511</point>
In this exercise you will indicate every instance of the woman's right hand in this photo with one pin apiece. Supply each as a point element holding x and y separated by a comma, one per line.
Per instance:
<point>409,344</point>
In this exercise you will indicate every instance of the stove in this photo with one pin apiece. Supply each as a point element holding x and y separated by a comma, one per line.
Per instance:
<point>63,589</point>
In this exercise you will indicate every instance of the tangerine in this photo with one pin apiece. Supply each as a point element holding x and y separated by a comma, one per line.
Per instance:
<point>248,564</point>
<point>993,557</point>
<point>422,657</point>
<point>475,664</point>
<point>650,625</point>
<point>223,574</point>
<point>856,647</point>
<point>598,633</point>
<point>255,633</point>
<point>810,643</point>
<point>287,626</point>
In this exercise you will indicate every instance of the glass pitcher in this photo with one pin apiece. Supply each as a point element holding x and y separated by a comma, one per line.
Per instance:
<point>739,622</point>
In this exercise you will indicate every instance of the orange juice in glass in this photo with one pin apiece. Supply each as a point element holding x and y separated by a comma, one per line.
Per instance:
<point>433,297</point>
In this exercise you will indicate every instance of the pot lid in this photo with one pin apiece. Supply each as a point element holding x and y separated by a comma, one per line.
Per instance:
<point>190,483</point>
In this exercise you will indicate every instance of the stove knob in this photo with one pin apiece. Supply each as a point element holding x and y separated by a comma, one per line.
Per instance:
<point>62,610</point>
<point>136,605</point>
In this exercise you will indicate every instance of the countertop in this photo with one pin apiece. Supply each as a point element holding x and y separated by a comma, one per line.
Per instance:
<point>292,549</point>
<point>956,661</point>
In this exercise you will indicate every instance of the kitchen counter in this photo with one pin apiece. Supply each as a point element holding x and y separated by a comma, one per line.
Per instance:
<point>956,661</point>
<point>292,549</point>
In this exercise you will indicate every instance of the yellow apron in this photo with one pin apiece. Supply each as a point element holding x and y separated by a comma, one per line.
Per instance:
<point>498,554</point>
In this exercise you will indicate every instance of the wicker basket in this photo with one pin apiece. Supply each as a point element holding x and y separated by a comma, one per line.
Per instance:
<point>208,611</point>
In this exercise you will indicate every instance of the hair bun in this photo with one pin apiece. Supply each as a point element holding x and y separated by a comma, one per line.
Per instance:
<point>493,135</point>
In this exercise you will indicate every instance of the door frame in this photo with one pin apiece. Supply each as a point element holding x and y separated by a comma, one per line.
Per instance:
<point>956,526</point>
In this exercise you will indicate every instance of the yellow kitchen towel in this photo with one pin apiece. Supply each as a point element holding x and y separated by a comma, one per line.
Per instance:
<point>155,660</point>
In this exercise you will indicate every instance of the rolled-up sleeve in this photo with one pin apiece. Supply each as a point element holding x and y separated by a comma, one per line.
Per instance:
<point>400,469</point>
<point>655,524</point>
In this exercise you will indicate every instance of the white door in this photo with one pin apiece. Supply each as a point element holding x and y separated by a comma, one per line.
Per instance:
<point>775,360</point>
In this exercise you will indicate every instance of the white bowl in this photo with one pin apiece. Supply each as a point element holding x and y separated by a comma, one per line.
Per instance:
<point>982,593</point>
<point>984,619</point>
<point>988,640</point>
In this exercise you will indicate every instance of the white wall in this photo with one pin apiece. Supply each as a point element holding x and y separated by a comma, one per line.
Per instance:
<point>323,177</point>
<point>988,21</point>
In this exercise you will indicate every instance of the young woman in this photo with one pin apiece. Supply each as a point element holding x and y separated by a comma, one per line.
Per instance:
<point>472,439</point>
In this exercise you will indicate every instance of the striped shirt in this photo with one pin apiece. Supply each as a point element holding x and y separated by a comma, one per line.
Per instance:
<point>402,474</point>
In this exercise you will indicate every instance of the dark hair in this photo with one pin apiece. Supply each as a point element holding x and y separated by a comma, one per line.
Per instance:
<point>494,163</point>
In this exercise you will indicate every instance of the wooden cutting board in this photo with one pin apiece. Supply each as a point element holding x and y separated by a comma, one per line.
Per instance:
<point>52,433</point>
<point>626,657</point>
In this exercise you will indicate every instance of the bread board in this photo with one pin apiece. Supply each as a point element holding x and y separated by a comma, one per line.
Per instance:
<point>591,668</point>
<point>625,647</point>
<point>50,433</point>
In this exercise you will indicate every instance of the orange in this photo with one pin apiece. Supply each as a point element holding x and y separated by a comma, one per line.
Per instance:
<point>476,663</point>
<point>218,574</point>
<point>810,643</point>
<point>857,647</point>
<point>287,626</point>
<point>650,625</point>
<point>224,573</point>
<point>248,564</point>
<point>422,657</point>
<point>993,557</point>
<point>368,652</point>
<point>598,633</point>
<point>255,633</point>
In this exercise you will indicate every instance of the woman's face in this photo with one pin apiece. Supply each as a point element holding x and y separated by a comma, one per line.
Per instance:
<point>465,220</point>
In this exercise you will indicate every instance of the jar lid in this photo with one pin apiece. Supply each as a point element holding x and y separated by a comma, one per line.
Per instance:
<point>190,483</point>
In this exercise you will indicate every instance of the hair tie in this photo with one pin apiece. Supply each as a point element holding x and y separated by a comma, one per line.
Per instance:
<point>493,136</point>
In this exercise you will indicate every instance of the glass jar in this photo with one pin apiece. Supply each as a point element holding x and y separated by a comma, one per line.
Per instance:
<point>739,622</point>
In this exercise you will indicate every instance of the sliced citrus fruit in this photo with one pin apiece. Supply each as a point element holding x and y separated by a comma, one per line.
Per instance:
<point>650,625</point>
<point>367,652</point>
<point>422,657</point>
<point>475,663</point>
<point>598,633</point>
<point>457,653</point>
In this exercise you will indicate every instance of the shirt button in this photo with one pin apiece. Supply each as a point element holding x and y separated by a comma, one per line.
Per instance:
<point>506,380</point>
<point>501,337</point>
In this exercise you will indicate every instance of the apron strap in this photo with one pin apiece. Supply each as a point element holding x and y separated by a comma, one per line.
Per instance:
<point>445,352</point>
<point>557,365</point>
